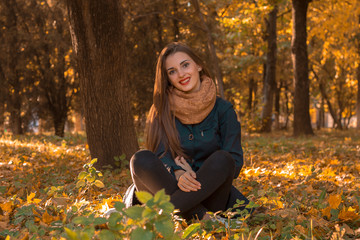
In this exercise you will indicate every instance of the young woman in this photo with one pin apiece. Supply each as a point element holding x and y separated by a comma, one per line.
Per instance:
<point>193,138</point>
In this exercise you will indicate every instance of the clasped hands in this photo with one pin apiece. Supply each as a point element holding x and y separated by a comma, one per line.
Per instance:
<point>186,179</point>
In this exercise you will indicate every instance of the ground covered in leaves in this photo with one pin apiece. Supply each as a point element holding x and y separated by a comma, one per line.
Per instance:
<point>309,188</point>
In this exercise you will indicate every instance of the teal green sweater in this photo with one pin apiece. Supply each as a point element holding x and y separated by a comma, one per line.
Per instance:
<point>220,130</point>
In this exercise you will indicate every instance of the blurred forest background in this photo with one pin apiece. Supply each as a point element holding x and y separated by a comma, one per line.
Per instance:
<point>249,46</point>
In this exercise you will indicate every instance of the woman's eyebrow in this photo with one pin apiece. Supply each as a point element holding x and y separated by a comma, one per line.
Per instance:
<point>180,64</point>
<point>184,61</point>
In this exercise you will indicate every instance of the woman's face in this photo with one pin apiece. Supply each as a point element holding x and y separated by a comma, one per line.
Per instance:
<point>183,72</point>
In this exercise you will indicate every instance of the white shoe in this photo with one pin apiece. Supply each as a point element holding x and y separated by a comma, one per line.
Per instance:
<point>226,221</point>
<point>109,212</point>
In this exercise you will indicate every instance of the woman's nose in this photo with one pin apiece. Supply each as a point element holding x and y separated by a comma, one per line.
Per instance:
<point>180,73</point>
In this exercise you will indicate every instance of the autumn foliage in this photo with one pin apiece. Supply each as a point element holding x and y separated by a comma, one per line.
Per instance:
<point>307,187</point>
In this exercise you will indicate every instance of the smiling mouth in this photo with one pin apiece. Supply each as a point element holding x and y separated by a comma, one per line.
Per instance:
<point>184,81</point>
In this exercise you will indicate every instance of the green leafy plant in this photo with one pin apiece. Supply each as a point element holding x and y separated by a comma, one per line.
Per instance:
<point>151,220</point>
<point>90,176</point>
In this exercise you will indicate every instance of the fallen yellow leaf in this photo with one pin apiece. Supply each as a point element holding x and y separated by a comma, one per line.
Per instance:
<point>327,212</point>
<point>30,197</point>
<point>334,200</point>
<point>346,215</point>
<point>7,207</point>
<point>47,218</point>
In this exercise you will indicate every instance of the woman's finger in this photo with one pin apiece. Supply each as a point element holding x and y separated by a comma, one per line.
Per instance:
<point>187,182</point>
<point>183,187</point>
<point>182,160</point>
<point>192,181</point>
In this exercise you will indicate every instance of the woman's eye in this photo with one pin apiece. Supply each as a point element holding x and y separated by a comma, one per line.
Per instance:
<point>171,72</point>
<point>186,65</point>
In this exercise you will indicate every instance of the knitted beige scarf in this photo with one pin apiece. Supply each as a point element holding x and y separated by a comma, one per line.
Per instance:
<point>192,108</point>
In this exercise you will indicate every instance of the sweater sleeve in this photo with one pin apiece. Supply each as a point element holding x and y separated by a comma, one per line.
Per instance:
<point>230,131</point>
<point>167,159</point>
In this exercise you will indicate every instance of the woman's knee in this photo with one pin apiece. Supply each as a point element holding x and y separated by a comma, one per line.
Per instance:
<point>222,160</point>
<point>141,161</point>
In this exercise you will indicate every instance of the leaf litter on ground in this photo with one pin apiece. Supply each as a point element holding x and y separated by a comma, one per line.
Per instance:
<point>308,186</point>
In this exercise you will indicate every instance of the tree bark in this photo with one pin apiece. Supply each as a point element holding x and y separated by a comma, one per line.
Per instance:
<point>211,46</point>
<point>302,122</point>
<point>270,76</point>
<point>98,40</point>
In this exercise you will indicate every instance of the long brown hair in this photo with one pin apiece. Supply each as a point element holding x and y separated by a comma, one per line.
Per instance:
<point>160,124</point>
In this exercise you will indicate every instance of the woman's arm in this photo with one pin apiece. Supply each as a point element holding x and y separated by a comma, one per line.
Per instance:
<point>230,133</point>
<point>186,179</point>
<point>167,159</point>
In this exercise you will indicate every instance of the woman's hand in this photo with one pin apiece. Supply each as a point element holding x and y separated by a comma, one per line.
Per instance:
<point>187,182</point>
<point>186,179</point>
<point>181,161</point>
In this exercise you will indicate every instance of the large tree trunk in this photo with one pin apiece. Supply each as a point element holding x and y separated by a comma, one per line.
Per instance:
<point>270,76</point>
<point>211,46</point>
<point>98,41</point>
<point>302,122</point>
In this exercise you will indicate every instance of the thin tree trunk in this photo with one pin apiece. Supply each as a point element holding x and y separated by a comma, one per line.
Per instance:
<point>176,22</point>
<point>270,77</point>
<point>322,113</point>
<point>159,30</point>
<point>277,106</point>
<point>358,89</point>
<point>287,107</point>
<point>331,109</point>
<point>302,122</point>
<point>61,103</point>
<point>14,103</point>
<point>326,98</point>
<point>251,94</point>
<point>358,100</point>
<point>59,126</point>
<point>212,49</point>
<point>3,96</point>
<point>98,40</point>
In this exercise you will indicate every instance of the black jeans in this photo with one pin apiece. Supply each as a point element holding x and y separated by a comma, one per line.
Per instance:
<point>215,175</point>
